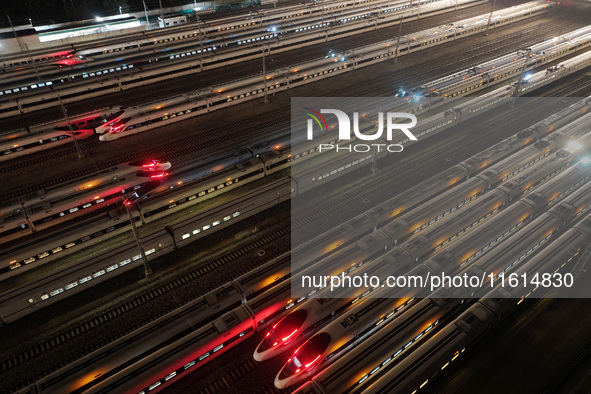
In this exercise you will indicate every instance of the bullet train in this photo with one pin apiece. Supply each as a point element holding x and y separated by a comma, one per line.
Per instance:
<point>531,81</point>
<point>554,73</point>
<point>9,62</point>
<point>438,353</point>
<point>138,119</point>
<point>148,371</point>
<point>352,372</point>
<point>265,20</point>
<point>218,51</point>
<point>307,316</point>
<point>107,189</point>
<point>335,239</point>
<point>372,311</point>
<point>294,76</point>
<point>183,239</point>
<point>77,197</point>
<point>235,23</point>
<point>34,139</point>
<point>510,65</point>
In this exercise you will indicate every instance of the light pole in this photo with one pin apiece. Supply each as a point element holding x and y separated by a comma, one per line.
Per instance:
<point>490,17</point>
<point>147,269</point>
<point>18,41</point>
<point>146,13</point>
<point>65,111</point>
<point>518,84</point>
<point>200,35</point>
<point>265,99</point>
<point>398,41</point>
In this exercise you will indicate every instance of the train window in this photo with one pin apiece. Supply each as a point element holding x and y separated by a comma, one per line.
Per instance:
<point>85,279</point>
<point>196,231</point>
<point>235,214</point>
<point>216,223</point>
<point>186,235</point>
<point>206,227</point>
<point>44,296</point>
<point>56,292</point>
<point>226,218</point>
<point>58,249</point>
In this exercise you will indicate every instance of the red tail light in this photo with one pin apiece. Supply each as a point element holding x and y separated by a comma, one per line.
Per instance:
<point>161,175</point>
<point>289,336</point>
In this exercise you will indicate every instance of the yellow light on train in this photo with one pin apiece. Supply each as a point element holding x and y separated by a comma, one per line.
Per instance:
<point>170,201</point>
<point>97,197</point>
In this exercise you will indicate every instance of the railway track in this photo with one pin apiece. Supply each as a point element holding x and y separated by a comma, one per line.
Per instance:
<point>477,54</point>
<point>183,150</point>
<point>60,340</point>
<point>265,386</point>
<point>168,285</point>
<point>197,81</point>
<point>144,298</point>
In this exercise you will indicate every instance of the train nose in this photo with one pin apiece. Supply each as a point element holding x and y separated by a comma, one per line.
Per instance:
<point>281,335</point>
<point>304,360</point>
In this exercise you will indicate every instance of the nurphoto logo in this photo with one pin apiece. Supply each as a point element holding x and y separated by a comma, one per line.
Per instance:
<point>344,130</point>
